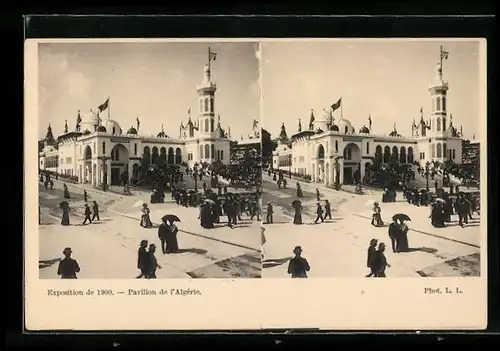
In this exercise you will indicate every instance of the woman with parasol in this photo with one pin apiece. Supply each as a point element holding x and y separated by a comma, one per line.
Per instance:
<point>206,217</point>
<point>145,218</point>
<point>402,235</point>
<point>64,206</point>
<point>297,218</point>
<point>171,231</point>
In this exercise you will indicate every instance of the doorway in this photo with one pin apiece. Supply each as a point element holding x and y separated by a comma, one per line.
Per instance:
<point>115,176</point>
<point>347,175</point>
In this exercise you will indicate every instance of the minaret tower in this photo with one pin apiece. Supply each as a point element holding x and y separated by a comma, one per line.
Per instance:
<point>438,90</point>
<point>49,138</point>
<point>207,127</point>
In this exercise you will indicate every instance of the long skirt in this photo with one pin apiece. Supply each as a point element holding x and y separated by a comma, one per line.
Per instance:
<point>65,218</point>
<point>297,219</point>
<point>146,221</point>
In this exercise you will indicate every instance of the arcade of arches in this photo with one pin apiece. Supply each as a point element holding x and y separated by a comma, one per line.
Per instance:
<point>119,166</point>
<point>352,167</point>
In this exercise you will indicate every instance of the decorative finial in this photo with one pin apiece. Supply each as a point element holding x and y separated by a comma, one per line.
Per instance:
<point>162,129</point>
<point>65,126</point>
<point>300,126</point>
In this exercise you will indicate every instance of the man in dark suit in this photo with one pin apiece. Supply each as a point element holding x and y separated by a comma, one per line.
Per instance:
<point>68,267</point>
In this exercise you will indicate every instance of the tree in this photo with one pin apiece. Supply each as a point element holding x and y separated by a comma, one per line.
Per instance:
<point>268,146</point>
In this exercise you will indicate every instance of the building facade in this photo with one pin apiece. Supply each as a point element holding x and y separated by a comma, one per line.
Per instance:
<point>332,150</point>
<point>98,151</point>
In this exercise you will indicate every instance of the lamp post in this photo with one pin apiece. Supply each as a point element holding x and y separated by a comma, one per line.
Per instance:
<point>195,174</point>
<point>427,176</point>
<point>104,173</point>
<point>290,166</point>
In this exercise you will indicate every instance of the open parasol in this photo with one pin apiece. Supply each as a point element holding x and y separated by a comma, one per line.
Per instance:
<point>63,205</point>
<point>170,218</point>
<point>296,203</point>
<point>209,201</point>
<point>438,199</point>
<point>401,217</point>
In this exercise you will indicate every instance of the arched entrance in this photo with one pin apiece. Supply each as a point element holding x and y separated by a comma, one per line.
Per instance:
<point>402,155</point>
<point>368,173</point>
<point>410,155</point>
<point>178,156</point>
<point>170,158</point>
<point>352,164</point>
<point>154,156</point>
<point>87,172</point>
<point>320,172</point>
<point>387,154</point>
<point>119,164</point>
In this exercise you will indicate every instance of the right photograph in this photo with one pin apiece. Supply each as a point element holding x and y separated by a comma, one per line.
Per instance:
<point>371,158</point>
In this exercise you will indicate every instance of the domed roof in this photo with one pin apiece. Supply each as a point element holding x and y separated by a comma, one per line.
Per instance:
<point>111,126</point>
<point>364,130</point>
<point>335,128</point>
<point>86,132</point>
<point>345,126</point>
<point>131,130</point>
<point>161,134</point>
<point>101,129</point>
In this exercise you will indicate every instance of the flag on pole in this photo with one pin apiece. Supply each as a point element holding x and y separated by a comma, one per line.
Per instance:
<point>104,106</point>
<point>189,111</point>
<point>444,55</point>
<point>336,105</point>
<point>211,55</point>
<point>421,111</point>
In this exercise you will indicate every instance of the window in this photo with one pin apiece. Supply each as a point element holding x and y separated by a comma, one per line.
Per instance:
<point>439,150</point>
<point>444,104</point>
<point>301,159</point>
<point>433,150</point>
<point>206,125</point>
<point>349,153</point>
<point>212,104</point>
<point>103,147</point>
<point>62,160</point>
<point>438,103</point>
<point>453,153</point>
<point>221,155</point>
<point>116,155</point>
<point>367,147</point>
<point>346,129</point>
<point>438,125</point>
<point>206,104</point>
<point>445,154</point>
<point>114,130</point>
<point>336,146</point>
<point>207,151</point>
<point>444,123</point>
<point>94,148</point>
<point>201,151</point>
<point>212,125</point>
<point>68,160</point>
<point>135,149</point>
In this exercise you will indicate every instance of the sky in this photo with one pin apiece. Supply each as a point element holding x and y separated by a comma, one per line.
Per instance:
<point>388,80</point>
<point>155,81</point>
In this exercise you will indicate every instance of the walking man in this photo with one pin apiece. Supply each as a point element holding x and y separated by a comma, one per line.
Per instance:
<point>328,210</point>
<point>95,211</point>
<point>319,213</point>
<point>269,215</point>
<point>87,215</point>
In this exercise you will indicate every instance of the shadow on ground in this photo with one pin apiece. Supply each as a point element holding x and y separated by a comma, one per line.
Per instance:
<point>274,262</point>
<point>243,266</point>
<point>47,263</point>
<point>464,266</point>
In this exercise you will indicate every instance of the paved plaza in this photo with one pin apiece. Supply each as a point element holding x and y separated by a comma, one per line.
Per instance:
<point>107,249</point>
<point>338,247</point>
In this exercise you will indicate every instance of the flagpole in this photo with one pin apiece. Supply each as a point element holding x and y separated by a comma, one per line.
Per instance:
<point>209,59</point>
<point>109,108</point>
<point>441,57</point>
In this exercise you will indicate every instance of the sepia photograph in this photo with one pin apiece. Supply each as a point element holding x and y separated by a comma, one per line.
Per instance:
<point>371,158</point>
<point>149,160</point>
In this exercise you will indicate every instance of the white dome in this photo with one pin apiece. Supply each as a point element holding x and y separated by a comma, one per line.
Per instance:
<point>112,127</point>
<point>342,124</point>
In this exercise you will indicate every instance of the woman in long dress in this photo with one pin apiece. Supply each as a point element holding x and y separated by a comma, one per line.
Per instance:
<point>172,243</point>
<point>66,192</point>
<point>146,219</point>
<point>376,217</point>
<point>299,191</point>
<point>297,218</point>
<point>403,237</point>
<point>65,216</point>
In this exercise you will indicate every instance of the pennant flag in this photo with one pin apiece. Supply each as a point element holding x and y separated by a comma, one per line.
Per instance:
<point>211,55</point>
<point>104,106</point>
<point>189,111</point>
<point>444,55</point>
<point>336,105</point>
<point>421,110</point>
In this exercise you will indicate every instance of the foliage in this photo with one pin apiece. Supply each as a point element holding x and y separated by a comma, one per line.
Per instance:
<point>268,145</point>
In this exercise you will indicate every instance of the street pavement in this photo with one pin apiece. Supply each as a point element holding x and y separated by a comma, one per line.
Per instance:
<point>337,248</point>
<point>107,249</point>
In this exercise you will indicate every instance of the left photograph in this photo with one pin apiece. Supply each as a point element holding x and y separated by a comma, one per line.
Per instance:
<point>149,160</point>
